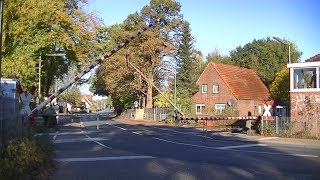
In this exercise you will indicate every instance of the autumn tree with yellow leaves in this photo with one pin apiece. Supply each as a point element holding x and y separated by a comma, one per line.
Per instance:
<point>35,28</point>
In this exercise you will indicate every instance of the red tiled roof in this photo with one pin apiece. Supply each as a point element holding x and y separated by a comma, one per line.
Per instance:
<point>314,58</point>
<point>244,83</point>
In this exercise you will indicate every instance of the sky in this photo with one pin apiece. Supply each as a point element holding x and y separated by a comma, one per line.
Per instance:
<point>223,25</point>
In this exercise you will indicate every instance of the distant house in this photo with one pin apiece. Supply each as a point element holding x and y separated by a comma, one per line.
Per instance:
<point>305,95</point>
<point>222,86</point>
<point>315,58</point>
<point>87,101</point>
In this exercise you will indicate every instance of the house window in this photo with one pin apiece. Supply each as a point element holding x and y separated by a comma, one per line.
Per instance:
<point>219,107</point>
<point>215,88</point>
<point>204,88</point>
<point>200,108</point>
<point>305,78</point>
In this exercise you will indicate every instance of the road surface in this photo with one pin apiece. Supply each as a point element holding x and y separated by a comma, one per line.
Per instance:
<point>120,150</point>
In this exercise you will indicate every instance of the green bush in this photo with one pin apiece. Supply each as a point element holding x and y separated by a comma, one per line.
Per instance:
<point>26,158</point>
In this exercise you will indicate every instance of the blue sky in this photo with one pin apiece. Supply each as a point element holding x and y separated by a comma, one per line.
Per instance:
<point>225,24</point>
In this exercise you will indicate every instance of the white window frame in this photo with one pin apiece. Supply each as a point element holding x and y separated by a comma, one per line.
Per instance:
<point>305,65</point>
<point>203,88</point>
<point>202,108</point>
<point>213,88</point>
<point>219,106</point>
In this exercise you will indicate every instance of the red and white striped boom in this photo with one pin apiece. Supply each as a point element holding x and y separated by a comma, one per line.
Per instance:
<point>86,70</point>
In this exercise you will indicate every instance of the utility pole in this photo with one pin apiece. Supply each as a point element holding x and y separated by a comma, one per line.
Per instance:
<point>39,82</point>
<point>40,64</point>
<point>1,18</point>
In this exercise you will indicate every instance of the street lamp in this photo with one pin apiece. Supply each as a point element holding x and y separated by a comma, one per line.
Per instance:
<point>284,42</point>
<point>40,60</point>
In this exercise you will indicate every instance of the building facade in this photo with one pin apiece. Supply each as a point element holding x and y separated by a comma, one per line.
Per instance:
<point>305,95</point>
<point>223,86</point>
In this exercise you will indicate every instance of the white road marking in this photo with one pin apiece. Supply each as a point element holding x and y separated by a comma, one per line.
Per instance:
<point>61,141</point>
<point>241,146</point>
<point>137,133</point>
<point>267,138</point>
<point>55,136</point>
<point>97,142</point>
<point>186,144</point>
<point>230,149</point>
<point>65,133</point>
<point>116,126</point>
<point>102,158</point>
<point>188,133</point>
<point>81,124</point>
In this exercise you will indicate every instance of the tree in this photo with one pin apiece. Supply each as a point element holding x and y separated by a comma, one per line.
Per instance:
<point>280,87</point>
<point>189,68</point>
<point>36,28</point>
<point>116,76</point>
<point>72,96</point>
<point>265,56</point>
<point>215,56</point>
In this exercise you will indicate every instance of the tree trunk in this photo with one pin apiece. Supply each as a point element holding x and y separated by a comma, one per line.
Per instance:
<point>149,91</point>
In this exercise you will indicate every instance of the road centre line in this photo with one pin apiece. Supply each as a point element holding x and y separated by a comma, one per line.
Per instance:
<point>137,133</point>
<point>97,141</point>
<point>116,126</point>
<point>240,146</point>
<point>102,158</point>
<point>61,141</point>
<point>68,133</point>
<point>229,148</point>
<point>191,134</point>
<point>237,150</point>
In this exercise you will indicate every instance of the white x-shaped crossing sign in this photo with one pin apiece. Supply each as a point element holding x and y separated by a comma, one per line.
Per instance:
<point>267,112</point>
<point>26,97</point>
<point>267,108</point>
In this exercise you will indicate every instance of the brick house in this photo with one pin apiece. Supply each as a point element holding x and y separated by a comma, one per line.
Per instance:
<point>305,95</point>
<point>87,101</point>
<point>222,86</point>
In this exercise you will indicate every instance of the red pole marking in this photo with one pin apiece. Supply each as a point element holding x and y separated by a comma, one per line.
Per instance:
<point>33,90</point>
<point>92,66</point>
<point>52,97</point>
<point>106,56</point>
<point>76,78</point>
<point>19,89</point>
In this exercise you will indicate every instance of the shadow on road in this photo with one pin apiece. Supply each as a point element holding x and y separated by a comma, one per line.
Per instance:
<point>189,153</point>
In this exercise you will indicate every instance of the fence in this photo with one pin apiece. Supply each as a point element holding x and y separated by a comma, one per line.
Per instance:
<point>285,126</point>
<point>279,125</point>
<point>155,114</point>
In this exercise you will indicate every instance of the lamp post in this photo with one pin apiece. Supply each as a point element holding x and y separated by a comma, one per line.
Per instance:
<point>39,82</point>
<point>284,42</point>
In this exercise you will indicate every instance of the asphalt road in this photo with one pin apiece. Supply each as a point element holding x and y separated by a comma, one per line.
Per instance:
<point>117,150</point>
